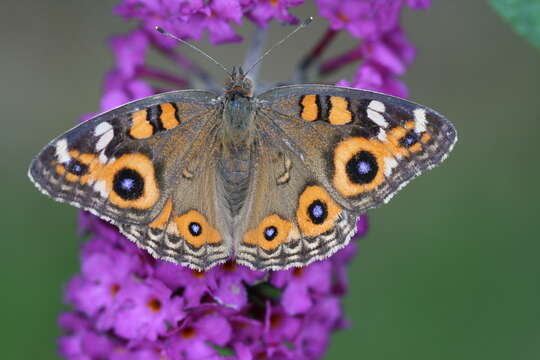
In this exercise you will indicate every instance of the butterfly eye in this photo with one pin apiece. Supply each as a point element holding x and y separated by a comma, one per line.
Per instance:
<point>128,184</point>
<point>362,167</point>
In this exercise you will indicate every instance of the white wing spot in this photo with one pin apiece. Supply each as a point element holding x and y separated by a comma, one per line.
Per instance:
<point>101,187</point>
<point>382,135</point>
<point>105,132</point>
<point>103,158</point>
<point>102,128</point>
<point>377,106</point>
<point>104,140</point>
<point>419,120</point>
<point>62,153</point>
<point>377,118</point>
<point>389,164</point>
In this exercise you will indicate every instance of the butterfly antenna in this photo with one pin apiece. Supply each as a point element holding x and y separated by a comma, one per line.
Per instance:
<point>166,33</point>
<point>302,25</point>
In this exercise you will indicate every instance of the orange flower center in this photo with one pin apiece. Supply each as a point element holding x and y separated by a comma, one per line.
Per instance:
<point>188,332</point>
<point>275,320</point>
<point>229,266</point>
<point>114,289</point>
<point>154,304</point>
<point>298,272</point>
<point>198,274</point>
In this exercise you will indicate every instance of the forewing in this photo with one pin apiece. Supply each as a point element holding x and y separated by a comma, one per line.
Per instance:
<point>363,146</point>
<point>126,166</point>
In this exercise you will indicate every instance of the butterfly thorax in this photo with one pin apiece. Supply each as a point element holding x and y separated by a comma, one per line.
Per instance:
<point>238,112</point>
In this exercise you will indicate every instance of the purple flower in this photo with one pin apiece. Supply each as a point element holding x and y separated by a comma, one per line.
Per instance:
<point>301,285</point>
<point>129,305</point>
<point>227,283</point>
<point>193,284</point>
<point>144,310</point>
<point>190,19</point>
<point>384,49</point>
<point>192,341</point>
<point>262,11</point>
<point>103,274</point>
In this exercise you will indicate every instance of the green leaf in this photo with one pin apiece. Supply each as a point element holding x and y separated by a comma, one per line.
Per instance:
<point>222,350</point>
<point>523,15</point>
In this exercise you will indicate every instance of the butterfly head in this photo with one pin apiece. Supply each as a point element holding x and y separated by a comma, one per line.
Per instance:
<point>238,84</point>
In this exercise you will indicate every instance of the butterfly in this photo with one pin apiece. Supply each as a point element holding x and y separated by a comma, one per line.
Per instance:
<point>275,181</point>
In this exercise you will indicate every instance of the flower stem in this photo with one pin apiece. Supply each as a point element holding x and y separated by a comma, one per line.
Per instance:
<point>147,71</point>
<point>314,54</point>
<point>190,68</point>
<point>339,61</point>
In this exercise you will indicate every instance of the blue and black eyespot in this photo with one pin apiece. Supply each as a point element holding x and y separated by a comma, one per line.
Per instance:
<point>270,233</point>
<point>409,139</point>
<point>76,167</point>
<point>317,212</point>
<point>195,228</point>
<point>128,184</point>
<point>362,167</point>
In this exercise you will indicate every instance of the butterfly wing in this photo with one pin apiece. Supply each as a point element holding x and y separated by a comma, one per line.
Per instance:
<point>348,150</point>
<point>139,167</point>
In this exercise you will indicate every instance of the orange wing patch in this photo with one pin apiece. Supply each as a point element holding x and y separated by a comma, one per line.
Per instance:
<point>169,116</point>
<point>310,107</point>
<point>271,232</point>
<point>196,230</point>
<point>140,127</point>
<point>339,113</point>
<point>316,212</point>
<point>161,220</point>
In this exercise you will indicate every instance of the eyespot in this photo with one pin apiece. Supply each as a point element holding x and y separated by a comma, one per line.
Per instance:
<point>131,182</point>
<point>316,212</point>
<point>76,167</point>
<point>409,139</point>
<point>271,232</point>
<point>79,167</point>
<point>404,140</point>
<point>196,230</point>
<point>362,167</point>
<point>128,184</point>
<point>358,165</point>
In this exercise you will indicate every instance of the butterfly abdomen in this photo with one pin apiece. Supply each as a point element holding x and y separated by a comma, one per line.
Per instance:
<point>234,170</point>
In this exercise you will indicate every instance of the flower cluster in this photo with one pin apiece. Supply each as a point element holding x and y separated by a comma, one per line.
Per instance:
<point>190,19</point>
<point>384,48</point>
<point>129,305</point>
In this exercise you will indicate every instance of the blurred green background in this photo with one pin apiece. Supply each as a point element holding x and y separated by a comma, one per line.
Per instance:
<point>450,268</point>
